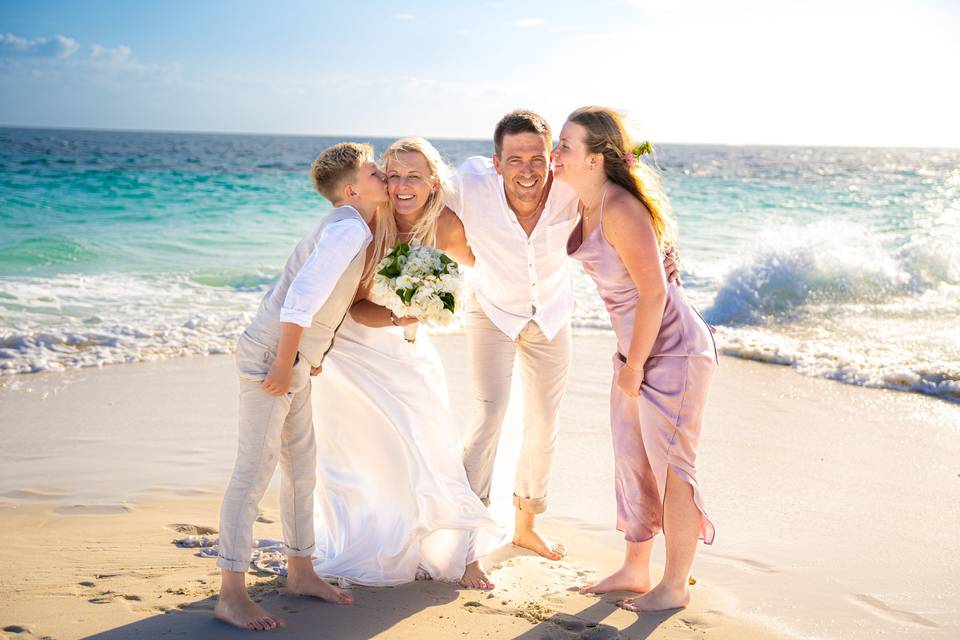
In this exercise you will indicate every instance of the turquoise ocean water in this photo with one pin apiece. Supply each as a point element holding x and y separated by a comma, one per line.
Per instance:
<point>122,247</point>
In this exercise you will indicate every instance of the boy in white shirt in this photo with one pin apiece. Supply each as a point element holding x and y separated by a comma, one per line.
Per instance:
<point>281,348</point>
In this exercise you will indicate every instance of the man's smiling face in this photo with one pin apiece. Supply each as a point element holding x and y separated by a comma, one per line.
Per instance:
<point>523,162</point>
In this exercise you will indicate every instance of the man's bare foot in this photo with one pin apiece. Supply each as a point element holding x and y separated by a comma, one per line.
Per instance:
<point>312,585</point>
<point>241,611</point>
<point>626,579</point>
<point>533,540</point>
<point>660,598</point>
<point>474,577</point>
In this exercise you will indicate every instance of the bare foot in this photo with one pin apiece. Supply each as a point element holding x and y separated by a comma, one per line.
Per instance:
<point>314,586</point>
<point>240,611</point>
<point>533,540</point>
<point>660,598</point>
<point>474,577</point>
<point>636,580</point>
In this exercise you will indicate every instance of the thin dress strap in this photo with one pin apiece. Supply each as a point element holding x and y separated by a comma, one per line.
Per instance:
<point>603,198</point>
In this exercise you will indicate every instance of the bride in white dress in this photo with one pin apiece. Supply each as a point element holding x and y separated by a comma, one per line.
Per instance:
<point>393,499</point>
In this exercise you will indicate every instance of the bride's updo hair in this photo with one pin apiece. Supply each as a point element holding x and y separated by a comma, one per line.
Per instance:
<point>607,135</point>
<point>425,229</point>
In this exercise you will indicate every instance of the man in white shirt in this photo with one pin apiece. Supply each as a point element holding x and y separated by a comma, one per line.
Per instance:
<point>517,221</point>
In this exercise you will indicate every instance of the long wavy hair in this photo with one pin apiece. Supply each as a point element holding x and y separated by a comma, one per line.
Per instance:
<point>424,231</point>
<point>607,135</point>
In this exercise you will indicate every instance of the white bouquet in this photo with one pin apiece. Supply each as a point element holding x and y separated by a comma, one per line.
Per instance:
<point>418,282</point>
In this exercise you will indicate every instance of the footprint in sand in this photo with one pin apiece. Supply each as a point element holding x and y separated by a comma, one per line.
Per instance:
<point>106,597</point>
<point>880,608</point>
<point>703,620</point>
<point>18,628</point>
<point>191,529</point>
<point>552,624</point>
<point>101,599</point>
<point>92,510</point>
<point>35,494</point>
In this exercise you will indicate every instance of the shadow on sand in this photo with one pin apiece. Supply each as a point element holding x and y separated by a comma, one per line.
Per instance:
<point>374,611</point>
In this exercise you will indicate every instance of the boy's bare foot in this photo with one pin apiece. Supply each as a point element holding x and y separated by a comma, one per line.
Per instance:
<point>660,598</point>
<point>314,586</point>
<point>533,540</point>
<point>240,611</point>
<point>625,579</point>
<point>474,577</point>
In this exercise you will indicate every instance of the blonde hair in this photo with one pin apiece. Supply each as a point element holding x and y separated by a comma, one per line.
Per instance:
<point>335,166</point>
<point>607,135</point>
<point>424,231</point>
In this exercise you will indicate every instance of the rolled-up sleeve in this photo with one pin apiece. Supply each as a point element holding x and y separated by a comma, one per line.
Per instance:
<point>339,244</point>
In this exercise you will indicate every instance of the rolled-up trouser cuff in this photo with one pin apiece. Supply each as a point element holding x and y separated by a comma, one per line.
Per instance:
<point>533,505</point>
<point>290,551</point>
<point>232,565</point>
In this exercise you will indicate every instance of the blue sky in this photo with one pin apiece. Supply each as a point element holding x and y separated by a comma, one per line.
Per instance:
<point>734,71</point>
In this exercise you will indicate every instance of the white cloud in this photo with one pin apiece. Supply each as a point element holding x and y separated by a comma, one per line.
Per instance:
<point>528,23</point>
<point>113,55</point>
<point>48,57</point>
<point>55,47</point>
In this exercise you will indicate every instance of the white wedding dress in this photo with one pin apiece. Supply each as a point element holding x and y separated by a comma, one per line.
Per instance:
<point>392,495</point>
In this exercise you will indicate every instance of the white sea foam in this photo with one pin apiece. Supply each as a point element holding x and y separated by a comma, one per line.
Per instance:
<point>72,321</point>
<point>827,262</point>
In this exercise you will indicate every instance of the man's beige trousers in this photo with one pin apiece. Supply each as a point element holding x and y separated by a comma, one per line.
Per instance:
<point>544,365</point>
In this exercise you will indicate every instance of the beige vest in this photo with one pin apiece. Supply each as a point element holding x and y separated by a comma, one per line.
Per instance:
<point>318,337</point>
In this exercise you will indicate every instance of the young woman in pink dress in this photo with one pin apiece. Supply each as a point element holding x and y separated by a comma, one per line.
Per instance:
<point>665,360</point>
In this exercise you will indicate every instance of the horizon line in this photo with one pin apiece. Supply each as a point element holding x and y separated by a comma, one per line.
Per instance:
<point>465,138</point>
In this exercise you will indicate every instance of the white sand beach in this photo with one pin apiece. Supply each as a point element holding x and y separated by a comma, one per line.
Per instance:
<point>837,511</point>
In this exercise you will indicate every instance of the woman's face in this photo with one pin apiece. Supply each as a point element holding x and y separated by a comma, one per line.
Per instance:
<point>409,182</point>
<point>571,160</point>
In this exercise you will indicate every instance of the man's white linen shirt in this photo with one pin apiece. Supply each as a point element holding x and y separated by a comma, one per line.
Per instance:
<point>516,278</point>
<point>336,248</point>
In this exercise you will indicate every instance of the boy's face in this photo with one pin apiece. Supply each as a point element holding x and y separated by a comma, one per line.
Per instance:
<point>370,185</point>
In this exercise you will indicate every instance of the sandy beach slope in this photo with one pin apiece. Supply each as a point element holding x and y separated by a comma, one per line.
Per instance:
<point>837,511</point>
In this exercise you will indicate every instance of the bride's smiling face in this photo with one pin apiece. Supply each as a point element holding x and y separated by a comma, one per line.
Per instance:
<point>409,182</point>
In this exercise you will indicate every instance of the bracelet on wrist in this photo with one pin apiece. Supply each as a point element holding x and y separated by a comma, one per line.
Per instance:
<point>627,365</point>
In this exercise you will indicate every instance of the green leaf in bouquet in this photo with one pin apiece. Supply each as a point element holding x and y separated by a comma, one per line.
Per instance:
<point>449,302</point>
<point>392,270</point>
<point>406,295</point>
<point>444,259</point>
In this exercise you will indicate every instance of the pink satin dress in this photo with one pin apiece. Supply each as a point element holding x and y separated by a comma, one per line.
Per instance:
<point>660,428</point>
